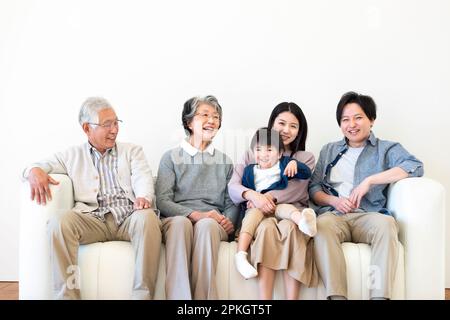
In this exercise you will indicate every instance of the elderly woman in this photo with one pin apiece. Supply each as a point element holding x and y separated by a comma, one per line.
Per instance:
<point>192,196</point>
<point>350,185</point>
<point>280,245</point>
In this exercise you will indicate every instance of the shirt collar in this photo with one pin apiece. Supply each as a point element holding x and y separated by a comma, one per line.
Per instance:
<point>372,140</point>
<point>112,151</point>
<point>192,151</point>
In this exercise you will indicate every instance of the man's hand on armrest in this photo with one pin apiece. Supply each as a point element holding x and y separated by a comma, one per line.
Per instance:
<point>39,185</point>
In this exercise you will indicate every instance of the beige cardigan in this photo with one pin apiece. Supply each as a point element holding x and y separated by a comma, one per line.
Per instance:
<point>135,176</point>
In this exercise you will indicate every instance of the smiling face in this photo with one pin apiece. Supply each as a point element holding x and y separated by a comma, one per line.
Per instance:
<point>204,125</point>
<point>103,138</point>
<point>286,123</point>
<point>266,156</point>
<point>355,125</point>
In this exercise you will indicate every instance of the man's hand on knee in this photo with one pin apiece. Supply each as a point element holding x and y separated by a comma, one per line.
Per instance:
<point>142,203</point>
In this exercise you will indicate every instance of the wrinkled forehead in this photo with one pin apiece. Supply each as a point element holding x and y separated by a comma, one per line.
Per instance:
<point>107,114</point>
<point>207,108</point>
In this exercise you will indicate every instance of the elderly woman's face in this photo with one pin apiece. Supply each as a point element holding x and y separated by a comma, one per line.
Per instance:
<point>286,123</point>
<point>355,125</point>
<point>205,123</point>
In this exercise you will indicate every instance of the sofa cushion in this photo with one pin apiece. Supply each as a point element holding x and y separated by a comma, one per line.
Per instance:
<point>107,270</point>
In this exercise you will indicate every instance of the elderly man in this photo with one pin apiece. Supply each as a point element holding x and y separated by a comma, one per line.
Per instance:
<point>114,197</point>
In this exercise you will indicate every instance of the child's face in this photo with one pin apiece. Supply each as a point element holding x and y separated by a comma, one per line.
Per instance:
<point>266,156</point>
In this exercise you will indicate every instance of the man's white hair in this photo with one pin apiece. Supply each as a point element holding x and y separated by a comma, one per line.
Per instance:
<point>90,109</point>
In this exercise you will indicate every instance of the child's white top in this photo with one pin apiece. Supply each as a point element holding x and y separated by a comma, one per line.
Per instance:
<point>264,178</point>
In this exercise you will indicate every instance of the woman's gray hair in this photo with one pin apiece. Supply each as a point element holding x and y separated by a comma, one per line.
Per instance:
<point>191,106</point>
<point>90,108</point>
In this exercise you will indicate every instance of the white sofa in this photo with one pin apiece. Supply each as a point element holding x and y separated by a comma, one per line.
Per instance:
<point>417,203</point>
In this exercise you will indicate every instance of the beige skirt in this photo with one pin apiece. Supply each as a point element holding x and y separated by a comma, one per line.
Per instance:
<point>280,245</point>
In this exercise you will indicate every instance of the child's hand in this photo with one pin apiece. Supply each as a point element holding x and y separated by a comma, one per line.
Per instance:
<point>291,169</point>
<point>265,203</point>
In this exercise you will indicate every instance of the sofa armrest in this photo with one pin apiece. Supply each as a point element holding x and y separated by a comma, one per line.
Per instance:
<point>418,204</point>
<point>34,256</point>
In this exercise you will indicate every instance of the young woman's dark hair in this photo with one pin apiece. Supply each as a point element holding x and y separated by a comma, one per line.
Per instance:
<point>267,137</point>
<point>365,102</point>
<point>299,143</point>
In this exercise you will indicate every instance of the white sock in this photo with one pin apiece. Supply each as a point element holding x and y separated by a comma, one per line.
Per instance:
<point>243,266</point>
<point>307,222</point>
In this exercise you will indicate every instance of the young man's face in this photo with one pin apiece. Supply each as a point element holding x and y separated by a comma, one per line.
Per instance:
<point>355,125</point>
<point>266,156</point>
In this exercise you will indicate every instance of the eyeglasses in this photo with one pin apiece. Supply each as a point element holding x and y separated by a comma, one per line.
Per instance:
<point>206,116</point>
<point>108,124</point>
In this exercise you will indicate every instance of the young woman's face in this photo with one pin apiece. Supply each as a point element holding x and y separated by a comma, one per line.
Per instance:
<point>266,156</point>
<point>286,123</point>
<point>355,125</point>
<point>205,123</point>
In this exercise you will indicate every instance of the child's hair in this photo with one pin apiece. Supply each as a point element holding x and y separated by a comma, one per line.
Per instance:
<point>267,137</point>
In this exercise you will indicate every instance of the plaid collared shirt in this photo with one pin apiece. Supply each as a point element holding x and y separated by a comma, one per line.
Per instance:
<point>111,197</point>
<point>377,156</point>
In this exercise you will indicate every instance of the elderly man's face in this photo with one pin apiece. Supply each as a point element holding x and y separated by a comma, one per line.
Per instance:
<point>103,136</point>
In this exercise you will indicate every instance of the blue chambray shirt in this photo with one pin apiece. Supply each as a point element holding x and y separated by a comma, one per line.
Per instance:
<point>377,156</point>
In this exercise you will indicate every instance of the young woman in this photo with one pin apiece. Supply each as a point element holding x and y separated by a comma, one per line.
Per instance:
<point>280,245</point>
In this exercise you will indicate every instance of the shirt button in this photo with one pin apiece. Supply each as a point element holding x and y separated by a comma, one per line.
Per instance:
<point>96,177</point>
<point>95,190</point>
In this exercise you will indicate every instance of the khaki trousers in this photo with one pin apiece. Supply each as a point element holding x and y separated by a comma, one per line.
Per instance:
<point>378,230</point>
<point>192,252</point>
<point>254,216</point>
<point>67,231</point>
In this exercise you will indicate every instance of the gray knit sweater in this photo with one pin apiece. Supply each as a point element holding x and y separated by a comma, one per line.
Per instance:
<point>188,183</point>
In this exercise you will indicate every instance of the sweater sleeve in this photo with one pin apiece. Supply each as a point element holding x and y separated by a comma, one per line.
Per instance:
<point>303,171</point>
<point>165,186</point>
<point>231,211</point>
<point>53,164</point>
<point>297,190</point>
<point>141,175</point>
<point>235,187</point>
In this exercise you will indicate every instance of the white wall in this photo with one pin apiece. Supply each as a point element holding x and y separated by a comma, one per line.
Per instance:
<point>148,57</point>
